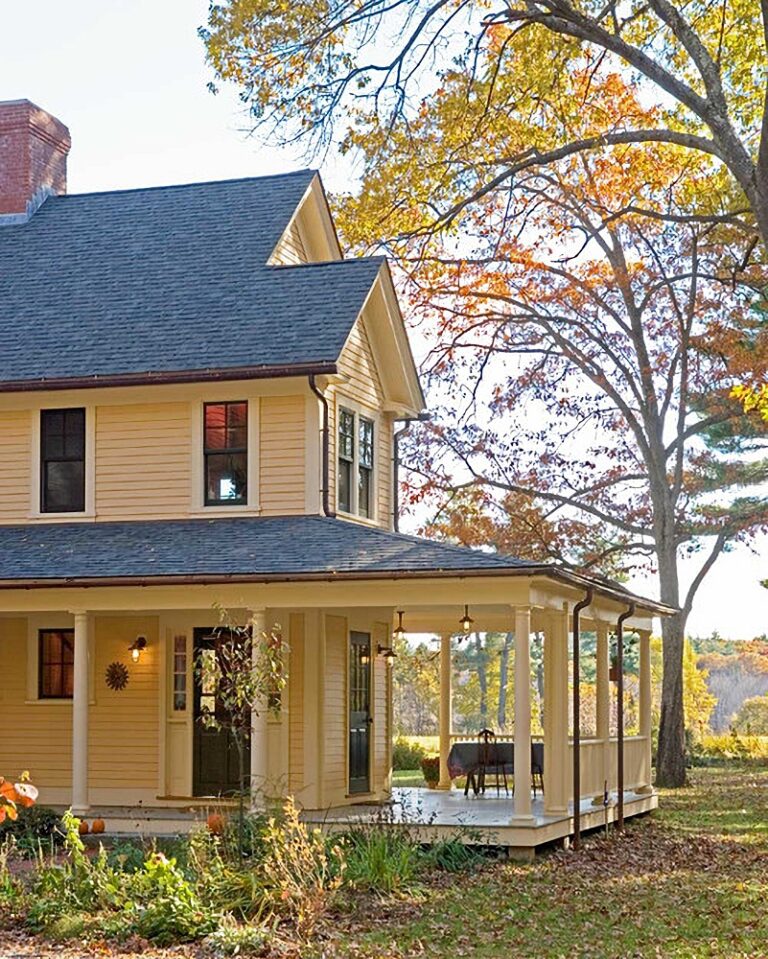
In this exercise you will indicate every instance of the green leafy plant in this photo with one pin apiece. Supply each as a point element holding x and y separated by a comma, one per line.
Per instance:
<point>430,767</point>
<point>246,676</point>
<point>407,754</point>
<point>381,860</point>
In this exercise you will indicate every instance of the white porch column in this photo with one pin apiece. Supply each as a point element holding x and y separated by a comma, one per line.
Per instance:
<point>80,695</point>
<point>446,710</point>
<point>556,754</point>
<point>645,696</point>
<point>603,703</point>
<point>259,728</point>
<point>522,715</point>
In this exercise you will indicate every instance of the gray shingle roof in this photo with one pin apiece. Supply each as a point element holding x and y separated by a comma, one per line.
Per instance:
<point>169,279</point>
<point>272,546</point>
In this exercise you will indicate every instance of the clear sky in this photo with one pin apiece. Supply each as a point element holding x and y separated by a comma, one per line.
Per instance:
<point>129,79</point>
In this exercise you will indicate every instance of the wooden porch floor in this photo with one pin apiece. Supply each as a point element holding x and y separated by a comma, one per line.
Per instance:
<point>429,815</point>
<point>486,820</point>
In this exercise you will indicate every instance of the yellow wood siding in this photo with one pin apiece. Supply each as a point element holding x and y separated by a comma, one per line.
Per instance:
<point>15,453</point>
<point>296,637</point>
<point>335,709</point>
<point>125,725</point>
<point>290,250</point>
<point>38,736</point>
<point>143,457</point>
<point>357,363</point>
<point>384,451</point>
<point>281,462</point>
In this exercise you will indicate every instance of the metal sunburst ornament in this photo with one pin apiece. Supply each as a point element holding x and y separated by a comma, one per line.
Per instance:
<point>117,676</point>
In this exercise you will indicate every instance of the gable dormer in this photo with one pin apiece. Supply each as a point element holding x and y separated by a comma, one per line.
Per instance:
<point>310,235</point>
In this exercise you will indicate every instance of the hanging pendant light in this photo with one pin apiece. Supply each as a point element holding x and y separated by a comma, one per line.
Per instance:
<point>399,633</point>
<point>466,622</point>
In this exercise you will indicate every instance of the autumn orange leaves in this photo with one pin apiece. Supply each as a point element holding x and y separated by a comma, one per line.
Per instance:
<point>14,796</point>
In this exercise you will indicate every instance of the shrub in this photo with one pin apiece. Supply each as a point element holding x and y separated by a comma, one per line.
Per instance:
<point>731,746</point>
<point>163,904</point>
<point>303,869</point>
<point>752,718</point>
<point>236,939</point>
<point>381,860</point>
<point>36,828</point>
<point>407,754</point>
<point>452,855</point>
<point>430,766</point>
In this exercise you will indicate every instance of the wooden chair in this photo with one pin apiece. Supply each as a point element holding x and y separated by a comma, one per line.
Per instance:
<point>490,762</point>
<point>537,767</point>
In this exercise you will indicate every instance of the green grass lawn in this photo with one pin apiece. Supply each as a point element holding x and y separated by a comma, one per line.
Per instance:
<point>691,881</point>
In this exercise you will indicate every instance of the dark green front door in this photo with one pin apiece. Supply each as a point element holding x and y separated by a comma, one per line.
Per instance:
<point>215,767</point>
<point>359,712</point>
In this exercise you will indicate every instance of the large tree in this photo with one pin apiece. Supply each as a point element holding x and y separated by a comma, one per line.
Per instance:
<point>617,324</point>
<point>323,68</point>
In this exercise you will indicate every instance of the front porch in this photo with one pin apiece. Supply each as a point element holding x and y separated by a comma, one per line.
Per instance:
<point>432,815</point>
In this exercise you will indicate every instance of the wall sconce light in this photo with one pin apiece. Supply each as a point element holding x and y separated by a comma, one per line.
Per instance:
<point>137,647</point>
<point>399,633</point>
<point>388,653</point>
<point>466,622</point>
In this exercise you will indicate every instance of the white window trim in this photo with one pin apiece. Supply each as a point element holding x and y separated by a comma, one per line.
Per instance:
<point>197,470</point>
<point>343,403</point>
<point>35,512</point>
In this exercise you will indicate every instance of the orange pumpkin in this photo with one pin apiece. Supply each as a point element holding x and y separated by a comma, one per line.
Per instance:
<point>83,828</point>
<point>97,825</point>
<point>215,823</point>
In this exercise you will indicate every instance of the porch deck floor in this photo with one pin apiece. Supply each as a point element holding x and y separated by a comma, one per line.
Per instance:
<point>428,814</point>
<point>487,819</point>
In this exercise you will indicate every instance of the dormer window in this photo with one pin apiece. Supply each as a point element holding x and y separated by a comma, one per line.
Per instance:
<point>226,453</point>
<point>355,464</point>
<point>62,461</point>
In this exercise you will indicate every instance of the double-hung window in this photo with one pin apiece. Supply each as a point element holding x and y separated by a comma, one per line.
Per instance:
<point>355,463</point>
<point>62,461</point>
<point>56,663</point>
<point>225,442</point>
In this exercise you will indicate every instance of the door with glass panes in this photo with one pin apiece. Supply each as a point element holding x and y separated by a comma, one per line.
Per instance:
<point>360,719</point>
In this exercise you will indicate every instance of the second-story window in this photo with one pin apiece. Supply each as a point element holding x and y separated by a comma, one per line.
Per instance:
<point>62,461</point>
<point>226,453</point>
<point>355,463</point>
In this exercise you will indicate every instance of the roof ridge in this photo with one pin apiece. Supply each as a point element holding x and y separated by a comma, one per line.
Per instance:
<point>305,171</point>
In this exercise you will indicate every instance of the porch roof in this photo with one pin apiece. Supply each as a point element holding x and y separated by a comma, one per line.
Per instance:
<point>251,549</point>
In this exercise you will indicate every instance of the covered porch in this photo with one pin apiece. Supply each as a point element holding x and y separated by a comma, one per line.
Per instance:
<point>338,593</point>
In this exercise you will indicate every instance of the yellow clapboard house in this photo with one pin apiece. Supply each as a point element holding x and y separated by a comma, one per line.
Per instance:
<point>198,399</point>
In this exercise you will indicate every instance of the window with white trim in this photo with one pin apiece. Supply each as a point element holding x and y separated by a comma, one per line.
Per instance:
<point>356,440</point>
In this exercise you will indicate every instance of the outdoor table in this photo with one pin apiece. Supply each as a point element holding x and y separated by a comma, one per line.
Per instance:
<point>464,760</point>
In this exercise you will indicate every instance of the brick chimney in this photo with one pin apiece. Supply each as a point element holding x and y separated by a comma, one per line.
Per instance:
<point>33,158</point>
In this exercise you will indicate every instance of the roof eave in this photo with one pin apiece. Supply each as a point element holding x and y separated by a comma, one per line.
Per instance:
<point>216,579</point>
<point>156,378</point>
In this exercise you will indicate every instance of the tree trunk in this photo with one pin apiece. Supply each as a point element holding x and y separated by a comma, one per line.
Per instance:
<point>501,715</point>
<point>670,760</point>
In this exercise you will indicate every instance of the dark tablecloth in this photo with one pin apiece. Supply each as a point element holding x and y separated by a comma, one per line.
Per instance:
<point>464,758</point>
